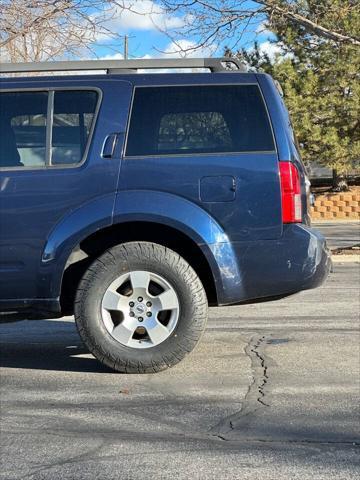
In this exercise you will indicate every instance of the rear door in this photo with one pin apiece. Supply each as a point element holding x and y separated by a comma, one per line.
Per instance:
<point>50,165</point>
<point>212,144</point>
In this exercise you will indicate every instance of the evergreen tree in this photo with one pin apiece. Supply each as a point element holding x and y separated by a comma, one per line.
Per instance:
<point>321,83</point>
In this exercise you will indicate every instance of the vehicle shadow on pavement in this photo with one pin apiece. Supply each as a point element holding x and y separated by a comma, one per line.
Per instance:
<point>46,345</point>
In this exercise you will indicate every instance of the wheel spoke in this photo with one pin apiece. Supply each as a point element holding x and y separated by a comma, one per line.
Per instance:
<point>112,300</point>
<point>139,308</point>
<point>140,280</point>
<point>168,300</point>
<point>124,332</point>
<point>156,331</point>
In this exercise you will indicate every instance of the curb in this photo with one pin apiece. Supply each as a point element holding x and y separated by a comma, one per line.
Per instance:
<point>345,258</point>
<point>335,221</point>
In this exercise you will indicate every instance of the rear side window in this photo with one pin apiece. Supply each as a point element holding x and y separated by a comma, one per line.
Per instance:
<point>198,119</point>
<point>73,117</point>
<point>42,129</point>
<point>193,131</point>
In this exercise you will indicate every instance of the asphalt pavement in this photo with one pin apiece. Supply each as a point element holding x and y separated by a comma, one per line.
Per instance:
<point>340,234</point>
<point>271,392</point>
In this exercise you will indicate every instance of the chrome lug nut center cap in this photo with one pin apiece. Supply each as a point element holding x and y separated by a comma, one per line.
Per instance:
<point>140,309</point>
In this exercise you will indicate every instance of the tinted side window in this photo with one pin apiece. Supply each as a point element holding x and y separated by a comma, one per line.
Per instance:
<point>198,119</point>
<point>193,131</point>
<point>73,116</point>
<point>24,127</point>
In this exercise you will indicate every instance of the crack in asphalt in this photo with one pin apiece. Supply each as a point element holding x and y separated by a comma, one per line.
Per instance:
<point>256,393</point>
<point>256,399</point>
<point>263,378</point>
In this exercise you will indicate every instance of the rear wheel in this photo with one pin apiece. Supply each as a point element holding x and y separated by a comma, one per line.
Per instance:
<point>140,307</point>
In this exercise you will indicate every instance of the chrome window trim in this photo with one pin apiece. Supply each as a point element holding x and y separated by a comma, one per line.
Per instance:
<point>49,126</point>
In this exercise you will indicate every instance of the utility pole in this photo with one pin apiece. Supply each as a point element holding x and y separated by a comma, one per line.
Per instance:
<point>126,47</point>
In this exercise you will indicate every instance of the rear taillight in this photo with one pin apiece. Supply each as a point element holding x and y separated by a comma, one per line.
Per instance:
<point>290,193</point>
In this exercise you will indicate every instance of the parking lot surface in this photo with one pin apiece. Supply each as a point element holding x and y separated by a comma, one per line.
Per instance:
<point>271,392</point>
<point>340,234</point>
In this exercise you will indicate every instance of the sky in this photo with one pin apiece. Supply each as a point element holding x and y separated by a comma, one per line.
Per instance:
<point>146,40</point>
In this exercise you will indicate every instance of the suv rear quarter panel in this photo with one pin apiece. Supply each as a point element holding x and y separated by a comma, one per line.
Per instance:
<point>254,213</point>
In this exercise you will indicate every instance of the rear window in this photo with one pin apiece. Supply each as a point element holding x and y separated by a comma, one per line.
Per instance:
<point>43,129</point>
<point>198,120</point>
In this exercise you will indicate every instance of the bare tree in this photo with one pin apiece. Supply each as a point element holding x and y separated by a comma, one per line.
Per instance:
<point>213,21</point>
<point>32,30</point>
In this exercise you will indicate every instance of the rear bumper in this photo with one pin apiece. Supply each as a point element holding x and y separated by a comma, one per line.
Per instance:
<point>299,260</point>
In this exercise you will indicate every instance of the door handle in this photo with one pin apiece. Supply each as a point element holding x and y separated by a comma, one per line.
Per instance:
<point>109,145</point>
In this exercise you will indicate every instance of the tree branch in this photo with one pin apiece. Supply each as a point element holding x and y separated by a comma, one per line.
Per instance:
<point>273,7</point>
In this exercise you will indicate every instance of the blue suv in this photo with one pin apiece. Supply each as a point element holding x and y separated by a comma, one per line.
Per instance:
<point>135,200</point>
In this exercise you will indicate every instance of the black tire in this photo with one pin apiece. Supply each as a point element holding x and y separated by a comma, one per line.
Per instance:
<point>161,261</point>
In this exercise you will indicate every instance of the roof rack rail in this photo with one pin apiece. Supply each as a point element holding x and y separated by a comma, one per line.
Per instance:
<point>223,64</point>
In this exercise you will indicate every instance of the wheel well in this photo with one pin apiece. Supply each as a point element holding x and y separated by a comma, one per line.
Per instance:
<point>94,245</point>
